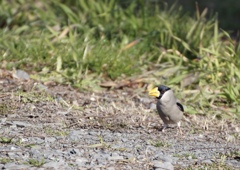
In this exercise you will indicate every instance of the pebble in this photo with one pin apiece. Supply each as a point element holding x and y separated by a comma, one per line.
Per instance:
<point>50,139</point>
<point>15,166</point>
<point>162,165</point>
<point>116,158</point>
<point>20,74</point>
<point>207,161</point>
<point>55,165</point>
<point>81,161</point>
<point>145,100</point>
<point>152,106</point>
<point>163,158</point>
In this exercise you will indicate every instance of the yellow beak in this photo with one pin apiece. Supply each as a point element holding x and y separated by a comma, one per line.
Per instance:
<point>154,92</point>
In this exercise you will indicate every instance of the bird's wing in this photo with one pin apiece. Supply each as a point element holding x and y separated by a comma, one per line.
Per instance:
<point>179,105</point>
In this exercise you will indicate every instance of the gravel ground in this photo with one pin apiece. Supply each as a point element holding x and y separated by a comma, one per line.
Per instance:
<point>46,126</point>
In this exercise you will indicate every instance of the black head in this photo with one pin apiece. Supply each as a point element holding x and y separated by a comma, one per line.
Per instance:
<point>162,89</point>
<point>158,91</point>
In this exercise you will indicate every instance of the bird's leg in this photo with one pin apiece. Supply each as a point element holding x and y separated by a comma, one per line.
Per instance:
<point>164,127</point>
<point>179,128</point>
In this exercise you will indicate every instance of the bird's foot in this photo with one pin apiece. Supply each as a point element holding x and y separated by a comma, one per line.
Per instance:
<point>165,126</point>
<point>179,130</point>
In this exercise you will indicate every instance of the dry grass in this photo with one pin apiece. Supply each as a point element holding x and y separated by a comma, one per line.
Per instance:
<point>115,109</point>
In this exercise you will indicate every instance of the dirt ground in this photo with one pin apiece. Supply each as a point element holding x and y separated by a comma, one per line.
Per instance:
<point>120,121</point>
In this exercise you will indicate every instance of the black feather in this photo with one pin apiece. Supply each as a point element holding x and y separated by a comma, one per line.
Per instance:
<point>180,107</point>
<point>163,89</point>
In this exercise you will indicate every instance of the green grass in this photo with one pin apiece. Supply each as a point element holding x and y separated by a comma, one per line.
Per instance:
<point>159,143</point>
<point>82,43</point>
<point>35,162</point>
<point>5,140</point>
<point>5,160</point>
<point>55,132</point>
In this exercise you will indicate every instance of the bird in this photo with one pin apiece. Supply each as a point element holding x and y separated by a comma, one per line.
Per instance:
<point>168,107</point>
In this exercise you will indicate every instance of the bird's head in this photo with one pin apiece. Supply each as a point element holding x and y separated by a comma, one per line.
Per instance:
<point>158,91</point>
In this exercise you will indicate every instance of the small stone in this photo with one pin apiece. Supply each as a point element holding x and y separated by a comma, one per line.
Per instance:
<point>208,161</point>
<point>115,158</point>
<point>162,165</point>
<point>75,135</point>
<point>114,154</point>
<point>20,74</point>
<point>55,165</point>
<point>163,158</point>
<point>3,120</point>
<point>75,103</point>
<point>12,165</point>
<point>81,161</point>
<point>21,124</point>
<point>118,134</point>
<point>128,155</point>
<point>145,100</point>
<point>50,139</point>
<point>49,155</point>
<point>12,155</point>
<point>24,139</point>
<point>13,148</point>
<point>93,133</point>
<point>40,86</point>
<point>141,157</point>
<point>230,138</point>
<point>35,152</point>
<point>124,140</point>
<point>152,106</point>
